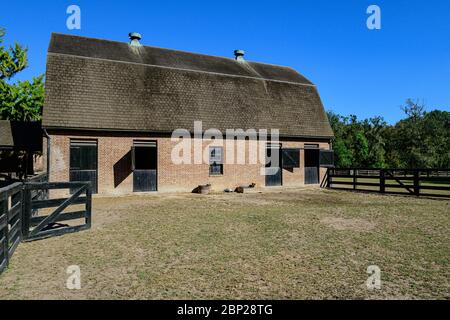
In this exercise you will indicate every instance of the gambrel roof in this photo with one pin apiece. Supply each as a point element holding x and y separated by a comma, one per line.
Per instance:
<point>106,85</point>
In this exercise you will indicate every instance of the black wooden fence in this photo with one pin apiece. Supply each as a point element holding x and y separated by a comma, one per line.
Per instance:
<point>415,182</point>
<point>37,227</point>
<point>27,213</point>
<point>10,221</point>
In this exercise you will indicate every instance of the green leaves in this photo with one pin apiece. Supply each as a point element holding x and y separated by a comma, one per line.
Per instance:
<point>358,143</point>
<point>422,140</point>
<point>12,60</point>
<point>21,101</point>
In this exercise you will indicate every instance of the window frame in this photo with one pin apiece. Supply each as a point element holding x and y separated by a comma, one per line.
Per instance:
<point>79,144</point>
<point>326,165</point>
<point>287,150</point>
<point>215,162</point>
<point>142,144</point>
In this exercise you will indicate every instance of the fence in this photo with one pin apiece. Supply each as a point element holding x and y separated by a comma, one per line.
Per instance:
<point>27,213</point>
<point>37,227</point>
<point>416,182</point>
<point>10,222</point>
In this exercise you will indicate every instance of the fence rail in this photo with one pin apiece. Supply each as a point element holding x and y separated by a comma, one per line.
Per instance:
<point>416,182</point>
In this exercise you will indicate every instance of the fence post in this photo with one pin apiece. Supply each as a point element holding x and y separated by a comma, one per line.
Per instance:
<point>382,181</point>
<point>4,210</point>
<point>416,183</point>
<point>354,179</point>
<point>26,212</point>
<point>89,205</point>
<point>328,177</point>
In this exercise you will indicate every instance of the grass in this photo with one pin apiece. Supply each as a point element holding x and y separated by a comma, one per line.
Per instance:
<point>292,244</point>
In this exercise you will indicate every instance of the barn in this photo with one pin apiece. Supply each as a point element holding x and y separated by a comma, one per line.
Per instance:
<point>111,110</point>
<point>20,147</point>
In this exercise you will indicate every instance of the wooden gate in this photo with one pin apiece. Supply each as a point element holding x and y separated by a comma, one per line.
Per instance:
<point>22,217</point>
<point>10,222</point>
<point>38,226</point>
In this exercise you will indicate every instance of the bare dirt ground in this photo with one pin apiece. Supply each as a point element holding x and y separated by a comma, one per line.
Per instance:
<point>290,244</point>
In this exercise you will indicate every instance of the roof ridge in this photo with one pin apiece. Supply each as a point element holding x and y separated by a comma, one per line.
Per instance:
<point>185,52</point>
<point>183,69</point>
<point>155,47</point>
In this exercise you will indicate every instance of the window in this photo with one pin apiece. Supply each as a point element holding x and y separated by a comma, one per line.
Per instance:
<point>144,164</point>
<point>326,158</point>
<point>215,161</point>
<point>83,155</point>
<point>144,156</point>
<point>291,158</point>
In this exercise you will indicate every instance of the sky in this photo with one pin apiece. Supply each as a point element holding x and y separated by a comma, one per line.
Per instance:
<point>357,70</point>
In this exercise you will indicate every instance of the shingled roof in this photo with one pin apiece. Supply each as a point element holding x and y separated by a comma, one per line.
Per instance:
<point>20,135</point>
<point>6,138</point>
<point>106,85</point>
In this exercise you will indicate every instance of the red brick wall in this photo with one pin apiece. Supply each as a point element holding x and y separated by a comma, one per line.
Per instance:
<point>171,177</point>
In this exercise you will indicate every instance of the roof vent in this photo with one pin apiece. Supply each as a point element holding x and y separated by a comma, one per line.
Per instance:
<point>135,37</point>
<point>239,54</point>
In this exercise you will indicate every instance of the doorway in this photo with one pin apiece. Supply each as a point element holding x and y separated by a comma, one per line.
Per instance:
<point>145,166</point>
<point>274,173</point>
<point>83,162</point>
<point>312,164</point>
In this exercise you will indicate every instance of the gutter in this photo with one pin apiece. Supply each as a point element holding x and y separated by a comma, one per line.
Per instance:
<point>167,133</point>
<point>49,140</point>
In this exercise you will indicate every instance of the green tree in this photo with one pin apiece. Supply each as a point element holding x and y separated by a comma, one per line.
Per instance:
<point>436,135</point>
<point>343,154</point>
<point>23,100</point>
<point>374,129</point>
<point>358,143</point>
<point>407,142</point>
<point>421,140</point>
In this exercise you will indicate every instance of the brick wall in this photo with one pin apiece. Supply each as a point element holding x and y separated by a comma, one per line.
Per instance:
<point>113,149</point>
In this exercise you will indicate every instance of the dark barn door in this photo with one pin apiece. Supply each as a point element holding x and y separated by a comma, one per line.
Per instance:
<point>83,162</point>
<point>144,158</point>
<point>274,174</point>
<point>311,164</point>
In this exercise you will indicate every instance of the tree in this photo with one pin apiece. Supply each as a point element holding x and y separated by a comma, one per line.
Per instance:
<point>358,143</point>
<point>417,141</point>
<point>415,110</point>
<point>421,140</point>
<point>23,100</point>
<point>341,145</point>
<point>374,129</point>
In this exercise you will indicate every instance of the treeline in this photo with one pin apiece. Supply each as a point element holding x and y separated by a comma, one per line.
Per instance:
<point>420,140</point>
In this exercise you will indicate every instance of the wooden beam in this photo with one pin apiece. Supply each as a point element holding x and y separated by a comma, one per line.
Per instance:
<point>57,232</point>
<point>41,204</point>
<point>55,185</point>
<point>54,215</point>
<point>62,217</point>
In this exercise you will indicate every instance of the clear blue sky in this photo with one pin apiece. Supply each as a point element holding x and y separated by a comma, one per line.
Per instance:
<point>357,71</point>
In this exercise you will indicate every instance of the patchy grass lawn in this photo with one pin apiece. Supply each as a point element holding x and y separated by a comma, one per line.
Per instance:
<point>292,244</point>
